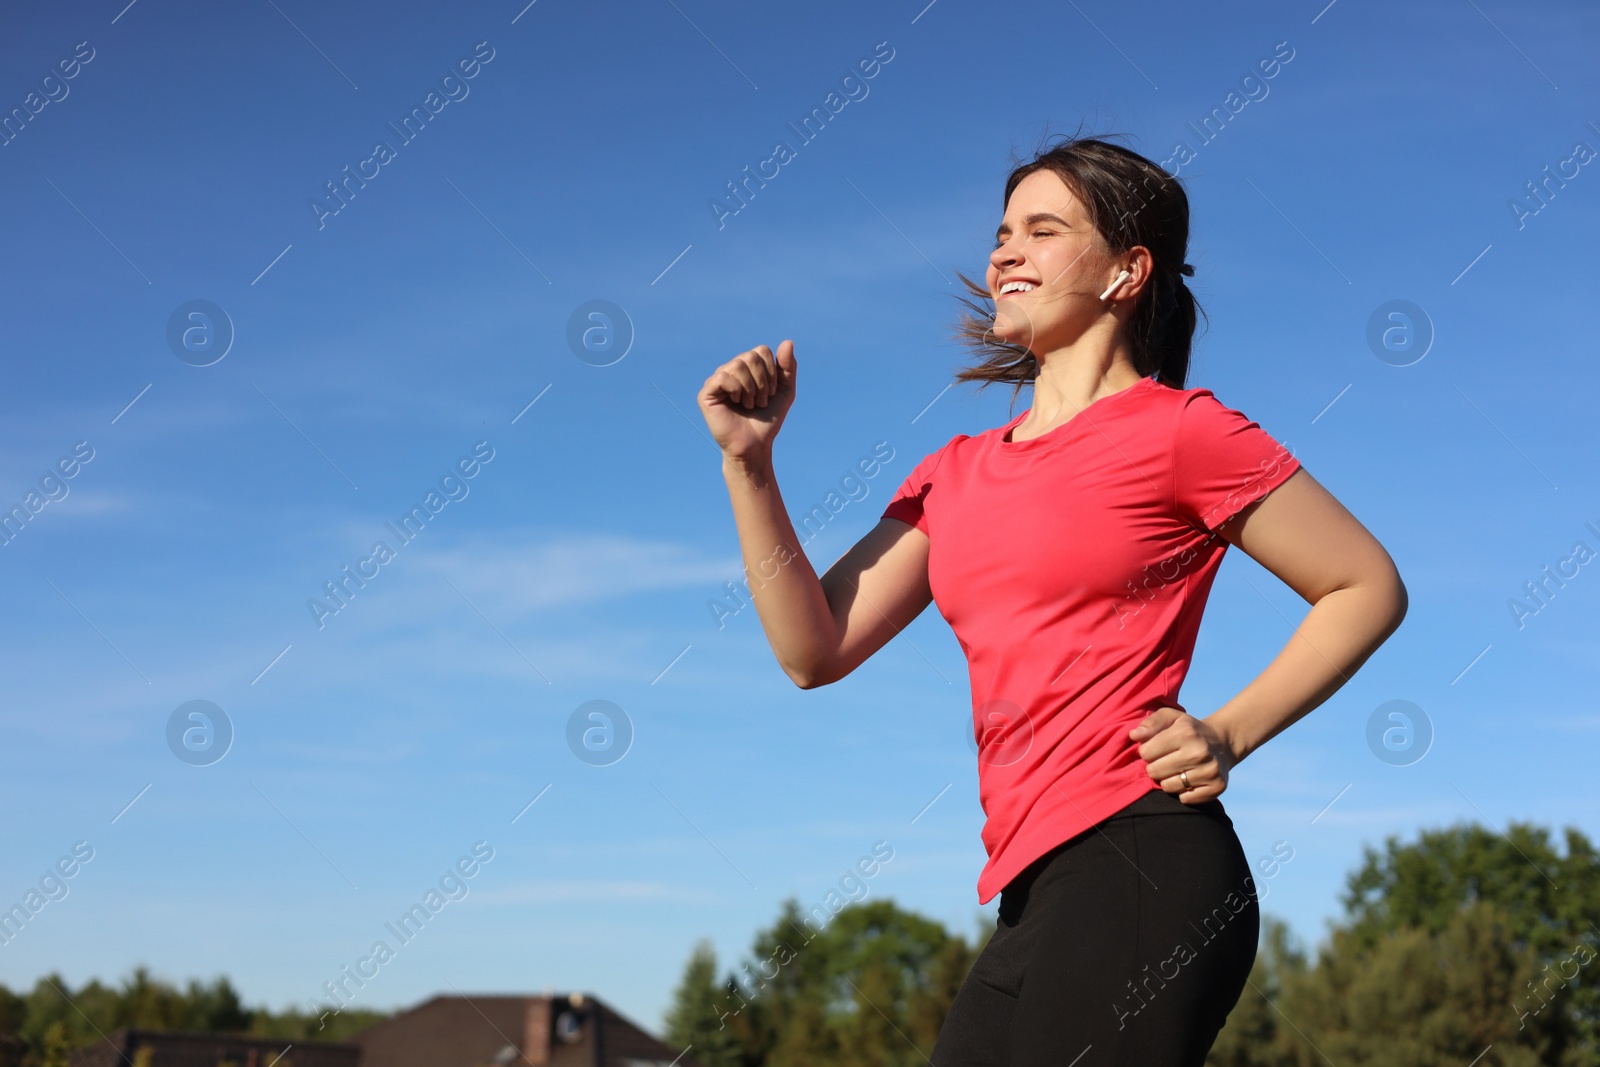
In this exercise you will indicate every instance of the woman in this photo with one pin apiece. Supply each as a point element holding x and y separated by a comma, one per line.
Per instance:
<point>1072,551</point>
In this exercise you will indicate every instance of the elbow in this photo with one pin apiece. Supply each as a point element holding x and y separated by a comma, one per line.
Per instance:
<point>1402,603</point>
<point>811,676</point>
<point>1399,598</point>
<point>1394,599</point>
<point>806,681</point>
<point>1383,598</point>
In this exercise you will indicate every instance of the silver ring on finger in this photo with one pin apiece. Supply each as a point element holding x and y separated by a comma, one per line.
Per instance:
<point>1185,776</point>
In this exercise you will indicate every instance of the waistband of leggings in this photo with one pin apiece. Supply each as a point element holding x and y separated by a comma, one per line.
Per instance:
<point>1160,802</point>
<point>1155,802</point>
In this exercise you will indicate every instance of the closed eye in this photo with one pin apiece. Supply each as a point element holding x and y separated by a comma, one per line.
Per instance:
<point>1035,233</point>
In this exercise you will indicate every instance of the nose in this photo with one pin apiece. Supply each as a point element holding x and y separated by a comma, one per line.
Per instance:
<point>1003,256</point>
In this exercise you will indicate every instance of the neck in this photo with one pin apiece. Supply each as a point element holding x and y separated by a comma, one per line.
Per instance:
<point>1073,377</point>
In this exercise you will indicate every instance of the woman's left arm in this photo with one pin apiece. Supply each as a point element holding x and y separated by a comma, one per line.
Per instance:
<point>1301,533</point>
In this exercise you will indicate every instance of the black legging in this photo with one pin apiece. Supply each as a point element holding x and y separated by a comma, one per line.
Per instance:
<point>1128,944</point>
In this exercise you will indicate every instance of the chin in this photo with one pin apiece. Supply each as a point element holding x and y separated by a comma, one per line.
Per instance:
<point>1012,325</point>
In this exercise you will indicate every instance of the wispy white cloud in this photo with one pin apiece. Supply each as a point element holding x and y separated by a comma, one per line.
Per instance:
<point>572,568</point>
<point>516,578</point>
<point>83,504</point>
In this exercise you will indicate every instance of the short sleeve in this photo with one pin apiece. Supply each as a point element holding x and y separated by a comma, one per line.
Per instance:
<point>909,501</point>
<point>1222,461</point>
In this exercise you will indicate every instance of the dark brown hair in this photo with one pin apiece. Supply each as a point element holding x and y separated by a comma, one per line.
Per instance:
<point>1130,201</point>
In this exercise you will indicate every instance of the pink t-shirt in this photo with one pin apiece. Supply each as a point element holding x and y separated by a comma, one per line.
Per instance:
<point>1073,568</point>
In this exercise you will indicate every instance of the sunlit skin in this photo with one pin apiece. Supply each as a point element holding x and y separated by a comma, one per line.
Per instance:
<point>1079,341</point>
<point>821,629</point>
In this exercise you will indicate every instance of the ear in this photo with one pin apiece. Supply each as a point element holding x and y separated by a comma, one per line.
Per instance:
<point>1141,267</point>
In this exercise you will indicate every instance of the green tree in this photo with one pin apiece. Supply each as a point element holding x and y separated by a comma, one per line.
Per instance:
<point>13,1012</point>
<point>1551,901</point>
<point>55,1044</point>
<point>50,1021</point>
<point>53,1017</point>
<point>294,1025</point>
<point>1416,997</point>
<point>1462,941</point>
<point>866,987</point>
<point>694,1021</point>
<point>216,1007</point>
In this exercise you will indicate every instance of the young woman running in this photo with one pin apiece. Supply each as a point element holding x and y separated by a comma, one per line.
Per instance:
<point>1072,551</point>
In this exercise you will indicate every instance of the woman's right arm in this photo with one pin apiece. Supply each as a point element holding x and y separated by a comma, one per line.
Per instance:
<point>820,629</point>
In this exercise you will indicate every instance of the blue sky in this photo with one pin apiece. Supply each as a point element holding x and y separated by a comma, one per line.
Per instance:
<point>376,347</point>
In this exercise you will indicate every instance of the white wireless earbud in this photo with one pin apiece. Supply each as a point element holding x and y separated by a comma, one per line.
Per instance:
<point>1109,289</point>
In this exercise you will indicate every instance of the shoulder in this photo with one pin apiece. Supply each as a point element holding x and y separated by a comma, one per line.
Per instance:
<point>1198,410</point>
<point>929,463</point>
<point>1175,398</point>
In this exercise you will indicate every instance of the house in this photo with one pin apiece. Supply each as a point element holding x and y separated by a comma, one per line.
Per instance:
<point>170,1048</point>
<point>554,1030</point>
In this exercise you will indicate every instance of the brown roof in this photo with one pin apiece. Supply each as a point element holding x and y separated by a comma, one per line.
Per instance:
<point>555,1030</point>
<point>169,1048</point>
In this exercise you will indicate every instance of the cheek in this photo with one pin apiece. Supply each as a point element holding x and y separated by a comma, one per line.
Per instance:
<point>1056,263</point>
<point>1066,266</point>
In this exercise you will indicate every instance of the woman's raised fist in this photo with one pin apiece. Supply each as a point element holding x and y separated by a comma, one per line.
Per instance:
<point>745,400</point>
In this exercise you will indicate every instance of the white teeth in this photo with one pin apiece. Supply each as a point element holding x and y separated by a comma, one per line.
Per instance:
<point>1016,287</point>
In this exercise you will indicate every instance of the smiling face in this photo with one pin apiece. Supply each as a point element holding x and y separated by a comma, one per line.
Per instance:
<point>1048,267</point>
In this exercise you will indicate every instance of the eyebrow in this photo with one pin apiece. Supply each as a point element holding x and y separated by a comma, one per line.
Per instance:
<point>1036,217</point>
